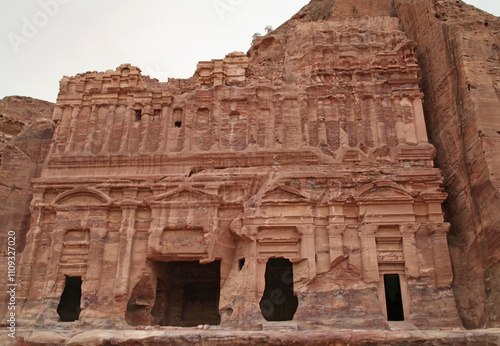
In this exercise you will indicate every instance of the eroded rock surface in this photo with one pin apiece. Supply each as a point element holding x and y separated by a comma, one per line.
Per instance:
<point>26,134</point>
<point>458,50</point>
<point>292,182</point>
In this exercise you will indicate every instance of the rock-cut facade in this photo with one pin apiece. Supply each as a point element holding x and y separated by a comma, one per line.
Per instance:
<point>291,184</point>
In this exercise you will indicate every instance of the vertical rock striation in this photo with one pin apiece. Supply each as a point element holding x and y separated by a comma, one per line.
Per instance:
<point>26,135</point>
<point>458,48</point>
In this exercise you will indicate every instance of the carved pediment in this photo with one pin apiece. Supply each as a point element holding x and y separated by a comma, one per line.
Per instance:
<point>285,193</point>
<point>82,197</point>
<point>388,191</point>
<point>184,195</point>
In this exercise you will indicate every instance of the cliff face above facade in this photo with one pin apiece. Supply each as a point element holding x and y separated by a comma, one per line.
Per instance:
<point>324,10</point>
<point>458,48</point>
<point>17,111</point>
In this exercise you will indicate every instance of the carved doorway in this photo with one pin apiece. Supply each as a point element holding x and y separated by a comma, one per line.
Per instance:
<point>278,302</point>
<point>187,294</point>
<point>393,297</point>
<point>69,305</point>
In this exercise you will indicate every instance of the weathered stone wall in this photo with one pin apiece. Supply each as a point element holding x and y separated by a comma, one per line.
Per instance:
<point>26,134</point>
<point>458,51</point>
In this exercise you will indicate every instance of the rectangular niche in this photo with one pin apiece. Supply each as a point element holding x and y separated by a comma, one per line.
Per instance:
<point>234,124</point>
<point>204,138</point>
<point>187,294</point>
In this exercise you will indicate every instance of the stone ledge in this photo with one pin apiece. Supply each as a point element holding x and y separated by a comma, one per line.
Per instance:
<point>193,336</point>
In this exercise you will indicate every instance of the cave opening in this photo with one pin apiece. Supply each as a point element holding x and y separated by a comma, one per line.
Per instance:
<point>187,294</point>
<point>393,298</point>
<point>278,302</point>
<point>69,305</point>
<point>241,263</point>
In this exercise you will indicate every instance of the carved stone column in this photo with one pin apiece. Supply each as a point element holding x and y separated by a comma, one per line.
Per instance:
<point>410,249</point>
<point>144,133</point>
<point>442,263</point>
<point>72,131</point>
<point>336,233</point>
<point>127,233</point>
<point>124,144</point>
<point>260,282</point>
<point>29,255</point>
<point>51,297</point>
<point>89,141</point>
<point>90,287</point>
<point>30,252</point>
<point>321,240</point>
<point>369,258</point>
<point>165,125</point>
<point>158,219</point>
<point>307,249</point>
<point>58,119</point>
<point>110,123</point>
<point>420,128</point>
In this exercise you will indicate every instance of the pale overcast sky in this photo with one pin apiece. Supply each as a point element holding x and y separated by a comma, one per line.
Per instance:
<point>43,40</point>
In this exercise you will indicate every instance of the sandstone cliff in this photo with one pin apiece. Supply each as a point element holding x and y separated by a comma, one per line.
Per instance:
<point>458,48</point>
<point>26,134</point>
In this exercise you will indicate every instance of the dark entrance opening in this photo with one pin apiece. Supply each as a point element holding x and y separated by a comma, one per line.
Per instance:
<point>278,302</point>
<point>393,298</point>
<point>187,294</point>
<point>69,305</point>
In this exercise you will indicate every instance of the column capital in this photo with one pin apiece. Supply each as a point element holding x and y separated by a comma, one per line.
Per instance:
<point>368,229</point>
<point>306,230</point>
<point>337,229</point>
<point>409,229</point>
<point>100,232</point>
<point>439,227</point>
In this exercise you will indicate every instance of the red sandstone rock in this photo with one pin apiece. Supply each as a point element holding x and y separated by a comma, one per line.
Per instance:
<point>169,203</point>
<point>18,111</point>
<point>305,160</point>
<point>26,134</point>
<point>170,336</point>
<point>458,50</point>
